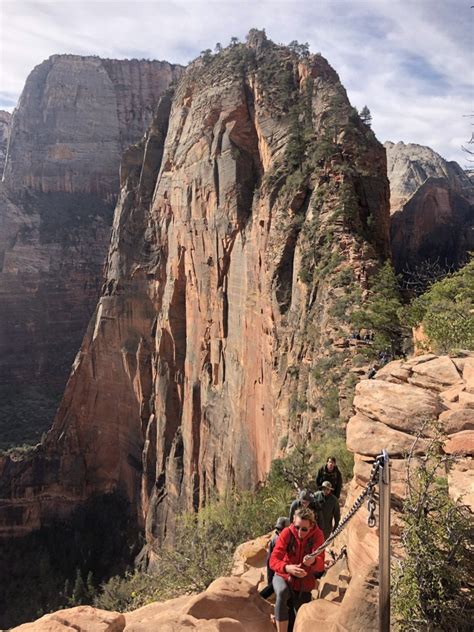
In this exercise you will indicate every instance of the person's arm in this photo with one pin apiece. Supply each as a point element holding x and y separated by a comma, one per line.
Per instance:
<point>337,491</point>
<point>293,507</point>
<point>319,477</point>
<point>278,555</point>
<point>337,513</point>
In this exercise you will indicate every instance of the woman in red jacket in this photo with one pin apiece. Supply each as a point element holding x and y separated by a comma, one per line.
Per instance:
<point>295,569</point>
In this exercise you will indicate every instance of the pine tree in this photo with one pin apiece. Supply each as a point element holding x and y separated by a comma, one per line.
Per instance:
<point>366,116</point>
<point>381,312</point>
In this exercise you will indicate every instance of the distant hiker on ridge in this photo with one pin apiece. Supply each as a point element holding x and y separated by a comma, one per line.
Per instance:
<point>330,472</point>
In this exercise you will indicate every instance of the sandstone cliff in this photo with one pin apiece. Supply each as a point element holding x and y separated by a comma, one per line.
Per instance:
<point>252,214</point>
<point>432,210</point>
<point>5,122</point>
<point>75,117</point>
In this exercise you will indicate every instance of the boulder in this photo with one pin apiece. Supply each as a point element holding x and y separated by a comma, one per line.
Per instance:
<point>451,394</point>
<point>460,443</point>
<point>456,420</point>
<point>468,374</point>
<point>461,482</point>
<point>466,399</point>
<point>436,374</point>
<point>369,437</point>
<point>79,619</point>
<point>397,405</point>
<point>230,604</point>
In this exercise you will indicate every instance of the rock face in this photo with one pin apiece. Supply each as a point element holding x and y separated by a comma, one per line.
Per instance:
<point>402,395</point>
<point>5,122</point>
<point>410,165</point>
<point>75,117</point>
<point>228,605</point>
<point>432,208</point>
<point>229,242</point>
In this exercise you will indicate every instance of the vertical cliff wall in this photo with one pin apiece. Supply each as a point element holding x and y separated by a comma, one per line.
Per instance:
<point>432,214</point>
<point>75,117</point>
<point>252,214</point>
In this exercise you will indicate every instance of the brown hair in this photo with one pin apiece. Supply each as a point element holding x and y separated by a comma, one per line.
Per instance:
<point>331,458</point>
<point>305,514</point>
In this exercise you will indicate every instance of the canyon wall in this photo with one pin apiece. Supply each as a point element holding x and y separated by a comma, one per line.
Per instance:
<point>75,117</point>
<point>432,208</point>
<point>250,217</point>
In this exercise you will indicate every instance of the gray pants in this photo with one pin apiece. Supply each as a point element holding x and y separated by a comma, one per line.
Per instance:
<point>283,595</point>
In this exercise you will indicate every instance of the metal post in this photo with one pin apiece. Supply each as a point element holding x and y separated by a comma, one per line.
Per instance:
<point>384,545</point>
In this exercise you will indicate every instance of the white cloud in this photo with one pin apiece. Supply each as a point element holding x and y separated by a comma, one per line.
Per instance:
<point>410,61</point>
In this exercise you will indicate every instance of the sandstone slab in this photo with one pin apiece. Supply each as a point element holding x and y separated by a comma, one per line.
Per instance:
<point>369,437</point>
<point>79,619</point>
<point>230,604</point>
<point>437,374</point>
<point>460,443</point>
<point>396,405</point>
<point>456,420</point>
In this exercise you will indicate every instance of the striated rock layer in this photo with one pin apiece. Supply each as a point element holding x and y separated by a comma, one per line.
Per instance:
<point>432,210</point>
<point>205,333</point>
<point>5,123</point>
<point>75,117</point>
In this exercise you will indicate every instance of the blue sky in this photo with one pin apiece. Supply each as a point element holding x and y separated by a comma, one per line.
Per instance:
<point>410,61</point>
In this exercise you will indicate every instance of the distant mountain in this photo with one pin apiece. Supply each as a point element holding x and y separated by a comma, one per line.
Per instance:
<point>432,212</point>
<point>75,117</point>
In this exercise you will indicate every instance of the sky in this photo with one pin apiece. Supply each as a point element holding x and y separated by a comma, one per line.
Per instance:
<point>410,61</point>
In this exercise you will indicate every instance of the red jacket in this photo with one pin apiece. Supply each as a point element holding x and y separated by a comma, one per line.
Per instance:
<point>289,549</point>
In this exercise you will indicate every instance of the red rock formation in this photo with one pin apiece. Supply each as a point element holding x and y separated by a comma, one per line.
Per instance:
<point>228,244</point>
<point>182,383</point>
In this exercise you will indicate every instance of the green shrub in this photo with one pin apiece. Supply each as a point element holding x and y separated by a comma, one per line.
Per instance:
<point>446,311</point>
<point>433,583</point>
<point>381,312</point>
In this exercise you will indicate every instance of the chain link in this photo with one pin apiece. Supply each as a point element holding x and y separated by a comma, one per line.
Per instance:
<point>367,491</point>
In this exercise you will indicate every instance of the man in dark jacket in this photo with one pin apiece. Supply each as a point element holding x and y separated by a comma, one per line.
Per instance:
<point>280,524</point>
<point>295,568</point>
<point>330,472</point>
<point>305,500</point>
<point>329,514</point>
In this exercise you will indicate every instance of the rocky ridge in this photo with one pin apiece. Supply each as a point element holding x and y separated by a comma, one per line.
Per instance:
<point>75,117</point>
<point>439,387</point>
<point>432,208</point>
<point>222,214</point>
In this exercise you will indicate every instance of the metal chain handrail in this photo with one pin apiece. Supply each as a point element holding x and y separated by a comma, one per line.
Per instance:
<point>367,491</point>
